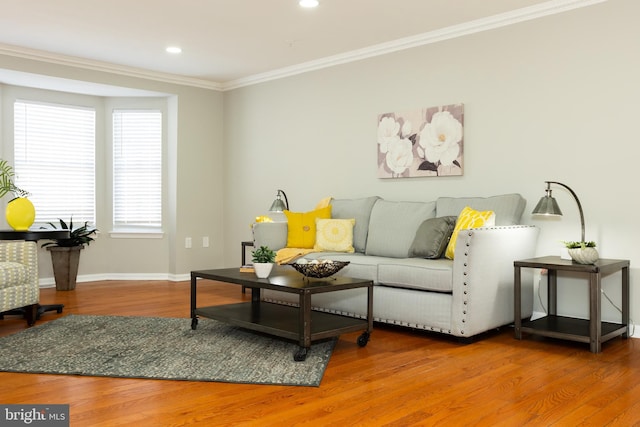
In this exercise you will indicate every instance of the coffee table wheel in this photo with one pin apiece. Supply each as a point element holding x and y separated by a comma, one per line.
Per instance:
<point>363,339</point>
<point>301,354</point>
<point>194,323</point>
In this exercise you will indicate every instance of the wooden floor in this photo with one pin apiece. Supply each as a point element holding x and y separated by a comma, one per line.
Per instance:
<point>400,378</point>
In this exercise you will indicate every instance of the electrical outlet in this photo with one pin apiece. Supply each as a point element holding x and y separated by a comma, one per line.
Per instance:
<point>187,242</point>
<point>205,242</point>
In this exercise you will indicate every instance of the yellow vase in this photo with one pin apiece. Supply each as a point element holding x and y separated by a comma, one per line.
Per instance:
<point>20,214</point>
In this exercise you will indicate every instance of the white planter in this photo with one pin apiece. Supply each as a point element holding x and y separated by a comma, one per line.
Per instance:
<point>262,269</point>
<point>584,255</point>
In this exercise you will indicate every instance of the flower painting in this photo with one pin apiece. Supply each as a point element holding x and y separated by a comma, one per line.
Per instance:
<point>424,142</point>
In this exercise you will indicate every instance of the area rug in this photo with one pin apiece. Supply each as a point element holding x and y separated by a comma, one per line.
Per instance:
<point>160,348</point>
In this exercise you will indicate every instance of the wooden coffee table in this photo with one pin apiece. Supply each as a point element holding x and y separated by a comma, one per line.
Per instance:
<point>296,323</point>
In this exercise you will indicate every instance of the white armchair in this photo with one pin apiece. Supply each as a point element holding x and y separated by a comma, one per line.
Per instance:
<point>19,287</point>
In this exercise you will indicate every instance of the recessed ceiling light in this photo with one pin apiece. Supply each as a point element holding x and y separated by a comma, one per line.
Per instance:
<point>309,3</point>
<point>174,49</point>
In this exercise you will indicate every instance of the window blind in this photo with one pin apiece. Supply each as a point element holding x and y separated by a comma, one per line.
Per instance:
<point>54,159</point>
<point>137,169</point>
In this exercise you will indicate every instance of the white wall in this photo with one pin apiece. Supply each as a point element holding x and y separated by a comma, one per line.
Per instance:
<point>551,99</point>
<point>194,182</point>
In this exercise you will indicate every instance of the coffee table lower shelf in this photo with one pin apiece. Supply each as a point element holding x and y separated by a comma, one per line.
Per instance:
<point>284,321</point>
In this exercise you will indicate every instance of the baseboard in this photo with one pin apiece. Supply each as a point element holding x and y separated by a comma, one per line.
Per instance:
<point>49,282</point>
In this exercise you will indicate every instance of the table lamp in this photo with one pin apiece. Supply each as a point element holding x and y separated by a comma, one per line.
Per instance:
<point>548,205</point>
<point>582,252</point>
<point>278,205</point>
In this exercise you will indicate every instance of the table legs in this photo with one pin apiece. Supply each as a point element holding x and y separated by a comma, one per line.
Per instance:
<point>194,318</point>
<point>625,300</point>
<point>595,313</point>
<point>304,318</point>
<point>517,302</point>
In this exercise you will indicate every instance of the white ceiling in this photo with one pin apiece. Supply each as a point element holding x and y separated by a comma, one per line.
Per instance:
<point>230,43</point>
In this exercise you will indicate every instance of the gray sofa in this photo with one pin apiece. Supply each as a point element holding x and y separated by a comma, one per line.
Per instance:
<point>463,297</point>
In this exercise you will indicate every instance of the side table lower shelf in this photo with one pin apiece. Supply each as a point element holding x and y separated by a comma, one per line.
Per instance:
<point>569,328</point>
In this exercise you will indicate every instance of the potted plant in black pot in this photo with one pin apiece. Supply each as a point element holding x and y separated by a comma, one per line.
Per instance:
<point>65,253</point>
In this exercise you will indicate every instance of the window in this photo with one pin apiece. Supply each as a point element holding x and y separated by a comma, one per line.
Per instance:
<point>54,159</point>
<point>137,169</point>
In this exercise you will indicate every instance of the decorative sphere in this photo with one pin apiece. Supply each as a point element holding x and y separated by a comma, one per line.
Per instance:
<point>20,214</point>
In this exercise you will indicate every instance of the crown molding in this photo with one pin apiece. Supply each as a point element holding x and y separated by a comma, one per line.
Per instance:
<point>88,64</point>
<point>551,7</point>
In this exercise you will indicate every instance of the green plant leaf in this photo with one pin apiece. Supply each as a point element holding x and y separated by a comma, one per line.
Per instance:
<point>77,237</point>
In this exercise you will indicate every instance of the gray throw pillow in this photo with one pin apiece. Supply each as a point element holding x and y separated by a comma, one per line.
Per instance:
<point>432,237</point>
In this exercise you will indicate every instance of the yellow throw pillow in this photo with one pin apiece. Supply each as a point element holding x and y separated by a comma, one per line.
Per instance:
<point>335,235</point>
<point>469,218</point>
<point>302,227</point>
<point>324,203</point>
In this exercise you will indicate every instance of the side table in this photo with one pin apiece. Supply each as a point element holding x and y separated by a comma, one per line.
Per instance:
<point>34,236</point>
<point>593,331</point>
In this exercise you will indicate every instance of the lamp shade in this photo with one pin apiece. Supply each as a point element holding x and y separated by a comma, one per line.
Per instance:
<point>547,206</point>
<point>278,204</point>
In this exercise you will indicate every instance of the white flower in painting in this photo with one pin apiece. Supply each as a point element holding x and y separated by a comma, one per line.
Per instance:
<point>399,156</point>
<point>439,139</point>
<point>388,130</point>
<point>406,129</point>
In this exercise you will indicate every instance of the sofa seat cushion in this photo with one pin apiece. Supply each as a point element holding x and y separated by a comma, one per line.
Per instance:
<point>12,274</point>
<point>417,273</point>
<point>393,226</point>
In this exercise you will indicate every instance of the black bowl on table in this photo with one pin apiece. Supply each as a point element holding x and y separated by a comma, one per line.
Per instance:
<point>319,270</point>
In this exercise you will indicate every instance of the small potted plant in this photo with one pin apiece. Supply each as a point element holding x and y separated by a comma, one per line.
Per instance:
<point>263,259</point>
<point>65,253</point>
<point>582,252</point>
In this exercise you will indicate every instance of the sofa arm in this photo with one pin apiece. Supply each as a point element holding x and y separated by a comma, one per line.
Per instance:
<point>270,234</point>
<point>483,289</point>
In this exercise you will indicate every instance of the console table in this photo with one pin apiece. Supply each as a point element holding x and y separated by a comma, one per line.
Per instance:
<point>34,236</point>
<point>593,331</point>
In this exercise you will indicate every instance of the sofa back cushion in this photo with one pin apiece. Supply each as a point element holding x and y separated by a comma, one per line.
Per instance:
<point>507,207</point>
<point>358,209</point>
<point>393,226</point>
